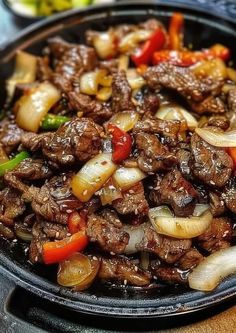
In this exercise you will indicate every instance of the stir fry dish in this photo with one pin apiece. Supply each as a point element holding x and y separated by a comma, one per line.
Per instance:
<point>118,158</point>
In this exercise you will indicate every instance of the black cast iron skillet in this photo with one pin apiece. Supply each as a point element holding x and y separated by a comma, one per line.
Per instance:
<point>201,30</point>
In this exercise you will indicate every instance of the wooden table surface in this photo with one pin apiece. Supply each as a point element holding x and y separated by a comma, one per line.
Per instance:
<point>221,319</point>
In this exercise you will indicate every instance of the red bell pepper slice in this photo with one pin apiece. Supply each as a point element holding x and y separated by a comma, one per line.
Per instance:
<point>188,58</point>
<point>76,223</point>
<point>232,153</point>
<point>154,43</point>
<point>176,31</point>
<point>121,142</point>
<point>54,252</point>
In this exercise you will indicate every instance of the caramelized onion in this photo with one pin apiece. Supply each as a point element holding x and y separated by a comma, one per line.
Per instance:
<point>125,120</point>
<point>124,178</point>
<point>175,112</point>
<point>135,80</point>
<point>92,176</point>
<point>208,274</point>
<point>131,40</point>
<point>90,81</point>
<point>33,107</point>
<point>109,193</point>
<point>179,227</point>
<point>214,68</point>
<point>105,44</point>
<point>218,139</point>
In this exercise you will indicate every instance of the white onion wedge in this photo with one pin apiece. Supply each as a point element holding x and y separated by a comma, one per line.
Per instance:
<point>124,178</point>
<point>109,193</point>
<point>135,80</point>
<point>179,227</point>
<point>175,112</point>
<point>209,273</point>
<point>131,40</point>
<point>32,108</point>
<point>105,44</point>
<point>123,63</point>
<point>24,72</point>
<point>125,120</point>
<point>104,94</point>
<point>92,176</point>
<point>90,81</point>
<point>218,139</point>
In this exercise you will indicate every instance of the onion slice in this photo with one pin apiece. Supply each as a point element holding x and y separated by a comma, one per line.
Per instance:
<point>175,112</point>
<point>32,108</point>
<point>92,176</point>
<point>218,139</point>
<point>131,40</point>
<point>109,193</point>
<point>105,44</point>
<point>124,178</point>
<point>179,227</point>
<point>208,274</point>
<point>125,120</point>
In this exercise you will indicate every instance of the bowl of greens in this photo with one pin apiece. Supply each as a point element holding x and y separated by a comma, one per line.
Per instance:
<point>36,9</point>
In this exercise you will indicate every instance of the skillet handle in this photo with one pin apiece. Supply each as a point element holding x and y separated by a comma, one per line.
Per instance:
<point>10,323</point>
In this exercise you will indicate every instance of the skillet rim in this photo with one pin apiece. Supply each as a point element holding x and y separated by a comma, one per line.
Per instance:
<point>107,306</point>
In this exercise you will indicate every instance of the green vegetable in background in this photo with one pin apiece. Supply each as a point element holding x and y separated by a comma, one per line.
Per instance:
<point>53,121</point>
<point>11,164</point>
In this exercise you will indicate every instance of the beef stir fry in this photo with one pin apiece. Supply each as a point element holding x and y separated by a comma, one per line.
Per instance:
<point>117,158</point>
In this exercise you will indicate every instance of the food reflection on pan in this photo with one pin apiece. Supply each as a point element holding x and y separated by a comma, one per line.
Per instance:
<point>118,158</point>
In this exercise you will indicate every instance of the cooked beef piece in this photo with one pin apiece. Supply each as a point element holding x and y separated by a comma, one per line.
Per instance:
<point>231,114</point>
<point>133,201</point>
<point>176,78</point>
<point>42,232</point>
<point>6,232</point>
<point>183,158</point>
<point>33,142</point>
<point>229,195</point>
<point>218,235</point>
<point>11,205</point>
<point>190,259</point>
<point>150,104</point>
<point>28,169</point>
<point>153,155</point>
<point>44,72</point>
<point>92,205</point>
<point>76,141</point>
<point>177,192</point>
<point>90,107</point>
<point>219,121</point>
<point>168,129</point>
<point>212,165</point>
<point>217,204</point>
<point>54,200</point>
<point>106,230</point>
<point>121,93</point>
<point>10,135</point>
<point>211,104</point>
<point>144,238</point>
<point>71,59</point>
<point>170,275</point>
<point>123,270</point>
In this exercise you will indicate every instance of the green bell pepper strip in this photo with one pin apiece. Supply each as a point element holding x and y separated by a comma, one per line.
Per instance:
<point>53,122</point>
<point>11,164</point>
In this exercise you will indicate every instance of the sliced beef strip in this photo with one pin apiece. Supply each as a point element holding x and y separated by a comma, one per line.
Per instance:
<point>123,270</point>
<point>74,142</point>
<point>190,259</point>
<point>10,135</point>
<point>121,93</point>
<point>183,157</point>
<point>28,169</point>
<point>11,205</point>
<point>218,236</point>
<point>153,156</point>
<point>212,104</point>
<point>44,71</point>
<point>232,105</point>
<point>176,78</point>
<point>217,204</point>
<point>42,232</point>
<point>168,129</point>
<point>229,195</point>
<point>133,201</point>
<point>34,142</point>
<point>90,107</point>
<point>54,200</point>
<point>221,122</point>
<point>177,192</point>
<point>106,230</point>
<point>170,275</point>
<point>211,165</point>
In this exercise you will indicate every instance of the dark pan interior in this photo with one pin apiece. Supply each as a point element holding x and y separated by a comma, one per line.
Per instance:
<point>201,31</point>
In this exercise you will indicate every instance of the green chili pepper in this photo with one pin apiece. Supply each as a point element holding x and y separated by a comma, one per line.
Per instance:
<point>53,121</point>
<point>11,164</point>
